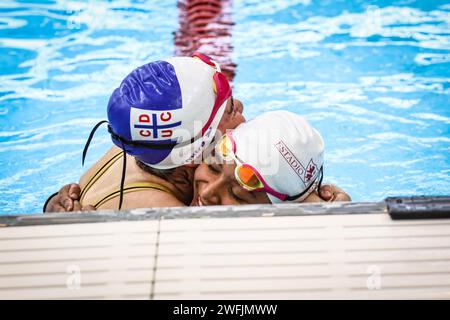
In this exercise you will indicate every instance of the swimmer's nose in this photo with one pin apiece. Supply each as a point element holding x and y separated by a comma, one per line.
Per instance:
<point>209,195</point>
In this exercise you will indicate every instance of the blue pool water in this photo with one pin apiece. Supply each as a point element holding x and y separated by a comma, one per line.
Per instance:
<point>374,79</point>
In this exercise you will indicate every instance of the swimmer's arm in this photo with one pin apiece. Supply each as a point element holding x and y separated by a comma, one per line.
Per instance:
<point>328,193</point>
<point>143,199</point>
<point>66,200</point>
<point>332,193</point>
<point>313,197</point>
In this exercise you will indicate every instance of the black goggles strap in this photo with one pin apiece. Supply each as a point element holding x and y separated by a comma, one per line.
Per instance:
<point>122,180</point>
<point>149,145</point>
<point>292,198</point>
<point>88,142</point>
<point>124,167</point>
<point>48,200</point>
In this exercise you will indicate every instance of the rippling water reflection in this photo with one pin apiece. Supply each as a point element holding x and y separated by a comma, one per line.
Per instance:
<point>60,60</point>
<point>374,79</point>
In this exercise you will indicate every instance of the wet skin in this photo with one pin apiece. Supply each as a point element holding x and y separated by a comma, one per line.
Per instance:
<point>215,184</point>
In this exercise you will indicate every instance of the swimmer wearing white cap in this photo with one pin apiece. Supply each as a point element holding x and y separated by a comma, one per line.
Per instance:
<point>276,157</point>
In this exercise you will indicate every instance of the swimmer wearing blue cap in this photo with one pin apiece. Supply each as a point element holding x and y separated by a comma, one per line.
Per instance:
<point>161,119</point>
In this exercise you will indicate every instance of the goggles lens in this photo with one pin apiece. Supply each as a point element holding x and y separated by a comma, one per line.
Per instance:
<point>247,177</point>
<point>225,148</point>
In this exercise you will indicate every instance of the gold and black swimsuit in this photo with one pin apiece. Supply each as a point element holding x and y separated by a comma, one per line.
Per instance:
<point>132,187</point>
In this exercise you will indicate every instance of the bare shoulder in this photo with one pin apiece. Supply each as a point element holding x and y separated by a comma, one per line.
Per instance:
<point>108,155</point>
<point>151,198</point>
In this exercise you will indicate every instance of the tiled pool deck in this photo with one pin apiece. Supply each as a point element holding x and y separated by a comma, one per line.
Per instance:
<point>351,250</point>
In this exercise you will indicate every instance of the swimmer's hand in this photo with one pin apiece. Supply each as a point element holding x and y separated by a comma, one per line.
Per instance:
<point>332,193</point>
<point>67,200</point>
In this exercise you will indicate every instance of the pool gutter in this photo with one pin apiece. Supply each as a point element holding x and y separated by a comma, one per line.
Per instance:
<point>423,207</point>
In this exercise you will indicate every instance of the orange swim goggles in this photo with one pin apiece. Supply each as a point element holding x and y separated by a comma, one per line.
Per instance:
<point>250,179</point>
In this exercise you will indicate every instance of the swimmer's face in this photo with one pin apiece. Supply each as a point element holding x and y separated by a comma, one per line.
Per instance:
<point>215,184</point>
<point>232,117</point>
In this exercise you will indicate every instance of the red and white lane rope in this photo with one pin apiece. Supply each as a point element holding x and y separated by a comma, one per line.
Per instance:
<point>206,27</point>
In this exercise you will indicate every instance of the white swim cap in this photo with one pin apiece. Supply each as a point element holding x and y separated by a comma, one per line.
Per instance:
<point>285,150</point>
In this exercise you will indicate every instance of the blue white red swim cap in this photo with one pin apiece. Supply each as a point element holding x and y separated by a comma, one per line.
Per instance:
<point>166,112</point>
